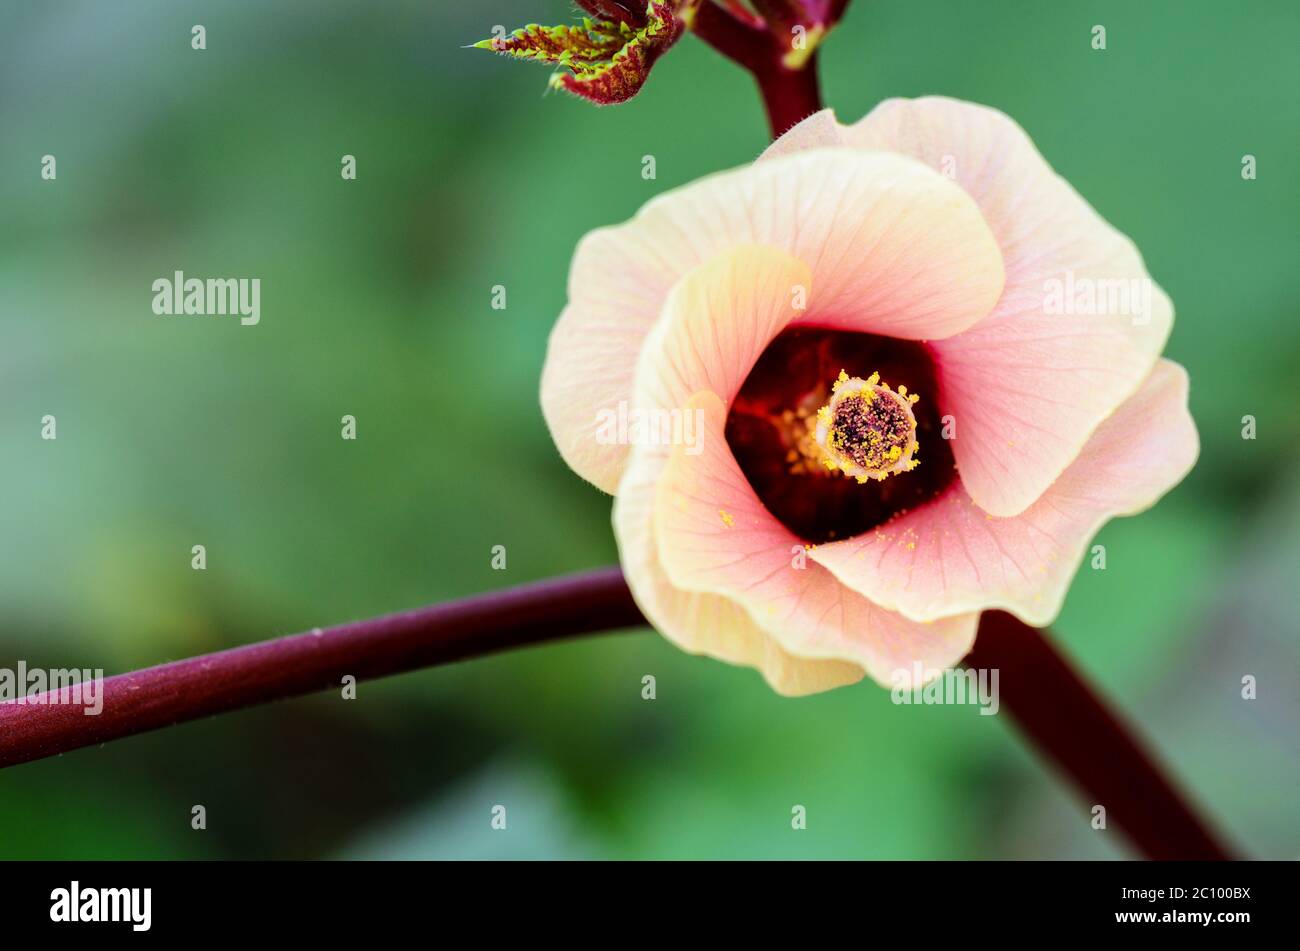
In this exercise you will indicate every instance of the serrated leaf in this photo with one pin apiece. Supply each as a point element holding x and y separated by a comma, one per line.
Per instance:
<point>607,60</point>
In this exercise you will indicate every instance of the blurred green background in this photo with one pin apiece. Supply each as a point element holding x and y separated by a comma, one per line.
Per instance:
<point>376,303</point>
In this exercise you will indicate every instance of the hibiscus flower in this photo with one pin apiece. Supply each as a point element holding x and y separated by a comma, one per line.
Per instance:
<point>918,370</point>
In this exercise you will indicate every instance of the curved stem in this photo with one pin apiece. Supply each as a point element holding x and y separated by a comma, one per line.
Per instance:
<point>1073,727</point>
<point>1053,705</point>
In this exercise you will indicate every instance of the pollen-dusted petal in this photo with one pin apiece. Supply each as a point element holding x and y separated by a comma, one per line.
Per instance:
<point>894,248</point>
<point>703,623</point>
<point>760,565</point>
<point>1078,327</point>
<point>950,556</point>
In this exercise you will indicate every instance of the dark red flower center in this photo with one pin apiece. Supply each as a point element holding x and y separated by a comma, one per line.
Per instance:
<point>816,428</point>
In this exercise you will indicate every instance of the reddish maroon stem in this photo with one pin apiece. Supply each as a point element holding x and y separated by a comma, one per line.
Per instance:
<point>789,95</point>
<point>1065,719</point>
<point>319,660</point>
<point>742,42</point>
<point>1052,704</point>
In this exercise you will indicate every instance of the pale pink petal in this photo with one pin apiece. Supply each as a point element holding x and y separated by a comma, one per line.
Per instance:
<point>951,557</point>
<point>1029,384</point>
<point>893,248</point>
<point>703,623</point>
<point>717,321</point>
<point>820,130</point>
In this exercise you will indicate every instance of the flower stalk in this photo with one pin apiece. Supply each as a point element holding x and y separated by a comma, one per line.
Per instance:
<point>1050,702</point>
<point>1074,728</point>
<point>290,666</point>
<point>779,51</point>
